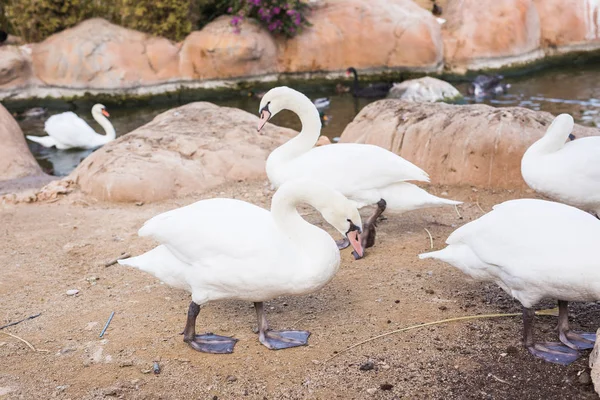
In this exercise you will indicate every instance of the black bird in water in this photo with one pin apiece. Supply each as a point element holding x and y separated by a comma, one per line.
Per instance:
<point>3,36</point>
<point>373,90</point>
<point>488,85</point>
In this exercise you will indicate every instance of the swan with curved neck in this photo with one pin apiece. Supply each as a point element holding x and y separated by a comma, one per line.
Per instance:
<point>373,90</point>
<point>533,249</point>
<point>564,169</point>
<point>364,173</point>
<point>229,249</point>
<point>68,131</point>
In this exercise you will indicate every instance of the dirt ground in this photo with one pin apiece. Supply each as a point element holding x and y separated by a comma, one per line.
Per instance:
<point>49,248</point>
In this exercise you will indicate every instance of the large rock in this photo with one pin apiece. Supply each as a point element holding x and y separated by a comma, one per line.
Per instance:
<point>399,34</point>
<point>490,34</point>
<point>569,25</point>
<point>16,160</point>
<point>217,51</point>
<point>595,364</point>
<point>425,89</point>
<point>15,66</point>
<point>99,55</point>
<point>184,150</point>
<point>456,144</point>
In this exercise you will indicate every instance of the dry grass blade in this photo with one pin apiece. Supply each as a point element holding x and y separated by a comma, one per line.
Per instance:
<point>430,238</point>
<point>24,341</point>
<point>457,212</point>
<point>115,260</point>
<point>479,207</point>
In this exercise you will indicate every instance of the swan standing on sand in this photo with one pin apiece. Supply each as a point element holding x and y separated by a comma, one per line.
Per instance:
<point>366,174</point>
<point>566,172</point>
<point>533,249</point>
<point>68,131</point>
<point>228,249</point>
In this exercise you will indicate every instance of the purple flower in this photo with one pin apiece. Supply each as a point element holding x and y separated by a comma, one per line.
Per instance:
<point>276,10</point>
<point>291,12</point>
<point>272,26</point>
<point>297,19</point>
<point>230,9</point>
<point>236,20</point>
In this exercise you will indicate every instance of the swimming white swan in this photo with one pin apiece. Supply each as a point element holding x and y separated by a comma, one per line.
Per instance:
<point>533,249</point>
<point>566,172</point>
<point>229,249</point>
<point>68,131</point>
<point>364,173</point>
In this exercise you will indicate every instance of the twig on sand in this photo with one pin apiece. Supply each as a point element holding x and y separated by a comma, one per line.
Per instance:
<point>479,207</point>
<point>457,212</point>
<point>430,238</point>
<point>115,260</point>
<point>301,319</point>
<point>112,314</point>
<point>443,321</point>
<point>26,342</point>
<point>498,379</point>
<point>18,322</point>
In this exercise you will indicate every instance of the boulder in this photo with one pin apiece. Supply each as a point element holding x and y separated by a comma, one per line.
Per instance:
<point>569,25</point>
<point>425,89</point>
<point>217,51</point>
<point>490,34</point>
<point>99,55</point>
<point>184,150</point>
<point>456,144</point>
<point>15,67</point>
<point>16,160</point>
<point>595,365</point>
<point>399,34</point>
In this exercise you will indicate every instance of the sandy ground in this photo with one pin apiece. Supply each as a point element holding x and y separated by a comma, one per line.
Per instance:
<point>49,248</point>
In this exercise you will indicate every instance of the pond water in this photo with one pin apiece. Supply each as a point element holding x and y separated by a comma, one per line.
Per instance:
<point>574,91</point>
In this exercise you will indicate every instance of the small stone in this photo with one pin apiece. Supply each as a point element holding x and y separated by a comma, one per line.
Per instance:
<point>429,291</point>
<point>316,362</point>
<point>585,378</point>
<point>386,386</point>
<point>127,363</point>
<point>231,379</point>
<point>396,301</point>
<point>367,366</point>
<point>72,292</point>
<point>444,193</point>
<point>443,308</point>
<point>372,391</point>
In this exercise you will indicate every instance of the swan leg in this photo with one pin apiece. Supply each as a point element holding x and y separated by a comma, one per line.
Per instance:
<point>574,340</point>
<point>556,353</point>
<point>367,237</point>
<point>208,342</point>
<point>277,340</point>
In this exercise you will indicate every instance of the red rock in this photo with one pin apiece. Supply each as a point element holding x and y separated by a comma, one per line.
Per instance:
<point>16,160</point>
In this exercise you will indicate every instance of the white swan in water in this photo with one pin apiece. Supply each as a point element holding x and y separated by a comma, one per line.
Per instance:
<point>533,249</point>
<point>566,172</point>
<point>68,131</point>
<point>229,249</point>
<point>364,173</point>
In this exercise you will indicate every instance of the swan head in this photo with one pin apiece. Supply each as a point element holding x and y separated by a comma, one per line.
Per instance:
<point>100,109</point>
<point>560,130</point>
<point>342,214</point>
<point>277,99</point>
<point>351,71</point>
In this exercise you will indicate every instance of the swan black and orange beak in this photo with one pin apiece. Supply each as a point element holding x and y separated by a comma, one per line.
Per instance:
<point>265,115</point>
<point>353,236</point>
<point>571,136</point>
<point>105,113</point>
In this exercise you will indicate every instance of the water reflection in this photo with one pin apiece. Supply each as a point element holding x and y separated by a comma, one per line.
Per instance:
<point>557,91</point>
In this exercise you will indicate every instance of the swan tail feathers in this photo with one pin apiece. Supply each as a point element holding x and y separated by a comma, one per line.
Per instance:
<point>432,254</point>
<point>405,196</point>
<point>46,141</point>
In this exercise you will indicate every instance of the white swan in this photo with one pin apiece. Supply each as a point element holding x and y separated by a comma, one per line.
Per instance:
<point>364,173</point>
<point>533,249</point>
<point>229,249</point>
<point>566,172</point>
<point>68,131</point>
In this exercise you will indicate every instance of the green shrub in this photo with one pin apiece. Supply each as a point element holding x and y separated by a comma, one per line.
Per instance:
<point>168,18</point>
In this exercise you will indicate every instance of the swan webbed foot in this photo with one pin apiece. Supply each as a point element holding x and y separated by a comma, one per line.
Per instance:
<point>277,340</point>
<point>556,353</point>
<point>342,243</point>
<point>214,344</point>
<point>578,340</point>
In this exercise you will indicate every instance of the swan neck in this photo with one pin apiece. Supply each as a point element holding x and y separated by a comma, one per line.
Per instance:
<point>109,130</point>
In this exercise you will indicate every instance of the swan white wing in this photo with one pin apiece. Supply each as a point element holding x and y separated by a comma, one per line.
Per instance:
<point>222,232</point>
<point>537,245</point>
<point>70,130</point>
<point>579,159</point>
<point>349,167</point>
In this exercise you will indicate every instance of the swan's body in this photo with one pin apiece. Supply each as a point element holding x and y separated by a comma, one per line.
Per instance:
<point>566,172</point>
<point>376,174</point>
<point>533,249</point>
<point>373,90</point>
<point>68,131</point>
<point>229,249</point>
